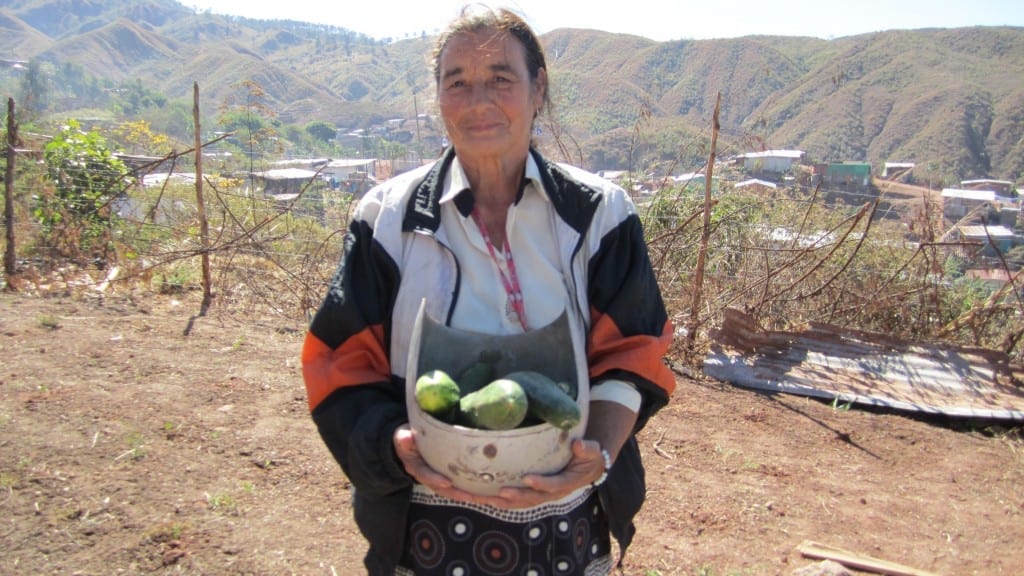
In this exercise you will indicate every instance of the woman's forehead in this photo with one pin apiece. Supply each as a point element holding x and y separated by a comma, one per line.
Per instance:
<point>490,45</point>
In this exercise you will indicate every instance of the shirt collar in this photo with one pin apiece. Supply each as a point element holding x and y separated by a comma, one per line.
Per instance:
<point>456,183</point>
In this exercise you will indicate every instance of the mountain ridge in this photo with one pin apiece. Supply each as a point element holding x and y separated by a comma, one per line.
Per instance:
<point>950,99</point>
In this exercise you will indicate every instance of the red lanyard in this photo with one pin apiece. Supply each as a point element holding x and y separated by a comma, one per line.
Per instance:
<point>510,282</point>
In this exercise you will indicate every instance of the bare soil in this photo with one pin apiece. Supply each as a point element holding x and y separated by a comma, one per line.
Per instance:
<point>138,439</point>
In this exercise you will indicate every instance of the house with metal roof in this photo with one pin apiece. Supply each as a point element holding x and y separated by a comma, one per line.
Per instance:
<point>848,175</point>
<point>756,184</point>
<point>957,203</point>
<point>774,161</point>
<point>981,240</point>
<point>1004,187</point>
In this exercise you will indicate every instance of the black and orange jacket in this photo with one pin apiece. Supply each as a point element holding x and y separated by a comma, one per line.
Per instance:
<point>355,351</point>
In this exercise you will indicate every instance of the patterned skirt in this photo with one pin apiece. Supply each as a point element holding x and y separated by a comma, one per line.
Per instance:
<point>568,537</point>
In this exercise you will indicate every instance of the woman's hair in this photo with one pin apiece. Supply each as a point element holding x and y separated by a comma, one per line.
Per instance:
<point>476,18</point>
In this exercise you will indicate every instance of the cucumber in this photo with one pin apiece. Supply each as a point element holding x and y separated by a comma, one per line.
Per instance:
<point>500,405</point>
<point>548,401</point>
<point>438,395</point>
<point>478,375</point>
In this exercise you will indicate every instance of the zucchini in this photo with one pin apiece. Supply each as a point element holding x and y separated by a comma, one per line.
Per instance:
<point>548,401</point>
<point>478,375</point>
<point>438,395</point>
<point>500,405</point>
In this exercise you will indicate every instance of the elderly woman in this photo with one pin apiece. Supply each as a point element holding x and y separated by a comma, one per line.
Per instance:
<point>497,240</point>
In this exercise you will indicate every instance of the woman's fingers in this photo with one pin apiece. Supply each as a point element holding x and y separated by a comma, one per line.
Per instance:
<point>585,467</point>
<point>413,462</point>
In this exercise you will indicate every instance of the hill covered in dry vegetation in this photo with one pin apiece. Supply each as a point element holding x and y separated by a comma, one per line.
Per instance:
<point>948,99</point>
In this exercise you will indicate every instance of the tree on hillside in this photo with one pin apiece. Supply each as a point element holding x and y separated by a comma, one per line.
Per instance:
<point>137,137</point>
<point>134,97</point>
<point>321,131</point>
<point>246,113</point>
<point>35,91</point>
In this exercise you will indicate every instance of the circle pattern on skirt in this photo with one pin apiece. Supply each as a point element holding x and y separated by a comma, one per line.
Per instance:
<point>496,553</point>
<point>428,545</point>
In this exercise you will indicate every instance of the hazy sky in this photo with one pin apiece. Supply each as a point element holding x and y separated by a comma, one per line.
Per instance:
<point>658,20</point>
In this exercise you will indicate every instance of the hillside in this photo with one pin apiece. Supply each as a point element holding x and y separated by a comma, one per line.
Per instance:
<point>949,99</point>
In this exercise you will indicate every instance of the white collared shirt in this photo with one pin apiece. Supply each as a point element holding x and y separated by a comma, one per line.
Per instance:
<point>483,302</point>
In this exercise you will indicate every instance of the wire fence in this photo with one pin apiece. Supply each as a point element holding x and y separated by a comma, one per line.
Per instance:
<point>787,255</point>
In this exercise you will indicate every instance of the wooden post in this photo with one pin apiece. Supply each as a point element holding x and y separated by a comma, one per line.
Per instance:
<point>698,279</point>
<point>204,228</point>
<point>12,139</point>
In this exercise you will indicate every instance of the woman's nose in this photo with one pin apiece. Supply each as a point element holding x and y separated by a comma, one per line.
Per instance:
<point>479,94</point>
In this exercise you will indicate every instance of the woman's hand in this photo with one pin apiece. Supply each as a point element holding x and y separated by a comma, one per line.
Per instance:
<point>609,426</point>
<point>585,467</point>
<point>414,464</point>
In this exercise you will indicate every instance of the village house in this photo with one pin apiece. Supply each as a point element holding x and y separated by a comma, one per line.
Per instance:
<point>756,185</point>
<point>345,173</point>
<point>1002,187</point>
<point>848,175</point>
<point>690,180</point>
<point>614,175</point>
<point>995,278</point>
<point>284,181</point>
<point>979,240</point>
<point>140,167</point>
<point>350,139</point>
<point>344,169</point>
<point>896,170</point>
<point>769,161</point>
<point>1009,216</point>
<point>958,203</point>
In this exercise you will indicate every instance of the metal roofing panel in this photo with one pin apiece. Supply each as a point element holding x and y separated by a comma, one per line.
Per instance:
<point>287,174</point>
<point>826,361</point>
<point>794,154</point>
<point>978,231</point>
<point>753,182</point>
<point>969,194</point>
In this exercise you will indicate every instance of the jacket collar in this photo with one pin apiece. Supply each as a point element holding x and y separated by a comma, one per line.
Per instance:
<point>574,201</point>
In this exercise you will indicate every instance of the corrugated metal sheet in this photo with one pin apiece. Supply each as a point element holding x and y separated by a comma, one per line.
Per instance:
<point>826,361</point>
<point>978,231</point>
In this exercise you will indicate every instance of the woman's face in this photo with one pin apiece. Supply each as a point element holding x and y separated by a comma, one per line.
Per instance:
<point>486,96</point>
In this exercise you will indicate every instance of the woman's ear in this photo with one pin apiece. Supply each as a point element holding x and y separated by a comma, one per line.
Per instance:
<point>540,90</point>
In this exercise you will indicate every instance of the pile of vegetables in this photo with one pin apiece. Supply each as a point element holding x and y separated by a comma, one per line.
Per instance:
<point>477,400</point>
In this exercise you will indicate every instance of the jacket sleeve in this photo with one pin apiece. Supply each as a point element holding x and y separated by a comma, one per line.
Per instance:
<point>630,331</point>
<point>354,401</point>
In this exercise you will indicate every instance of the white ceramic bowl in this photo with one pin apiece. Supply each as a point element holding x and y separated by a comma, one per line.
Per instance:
<point>483,461</point>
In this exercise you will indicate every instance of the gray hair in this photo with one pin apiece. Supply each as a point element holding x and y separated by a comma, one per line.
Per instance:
<point>477,18</point>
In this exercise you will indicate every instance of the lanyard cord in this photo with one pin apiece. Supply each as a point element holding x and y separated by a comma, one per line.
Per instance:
<point>510,282</point>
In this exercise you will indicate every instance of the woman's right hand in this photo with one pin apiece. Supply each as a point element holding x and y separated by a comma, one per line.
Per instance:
<point>414,464</point>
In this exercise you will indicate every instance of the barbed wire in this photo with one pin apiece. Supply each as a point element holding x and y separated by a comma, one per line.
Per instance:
<point>278,256</point>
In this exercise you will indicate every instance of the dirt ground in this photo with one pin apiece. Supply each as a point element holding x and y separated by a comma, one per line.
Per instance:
<point>135,439</point>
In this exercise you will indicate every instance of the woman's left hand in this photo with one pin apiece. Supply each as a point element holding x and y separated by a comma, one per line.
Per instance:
<point>585,467</point>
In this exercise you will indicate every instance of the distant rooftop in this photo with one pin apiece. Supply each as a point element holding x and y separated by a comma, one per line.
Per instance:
<point>978,231</point>
<point>774,154</point>
<point>985,181</point>
<point>755,182</point>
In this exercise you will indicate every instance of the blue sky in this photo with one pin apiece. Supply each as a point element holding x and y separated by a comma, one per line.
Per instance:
<point>658,20</point>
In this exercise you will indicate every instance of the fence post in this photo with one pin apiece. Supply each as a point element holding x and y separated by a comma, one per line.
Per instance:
<point>12,139</point>
<point>698,279</point>
<point>204,229</point>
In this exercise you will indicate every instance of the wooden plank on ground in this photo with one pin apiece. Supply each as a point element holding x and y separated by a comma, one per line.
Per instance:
<point>855,560</point>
